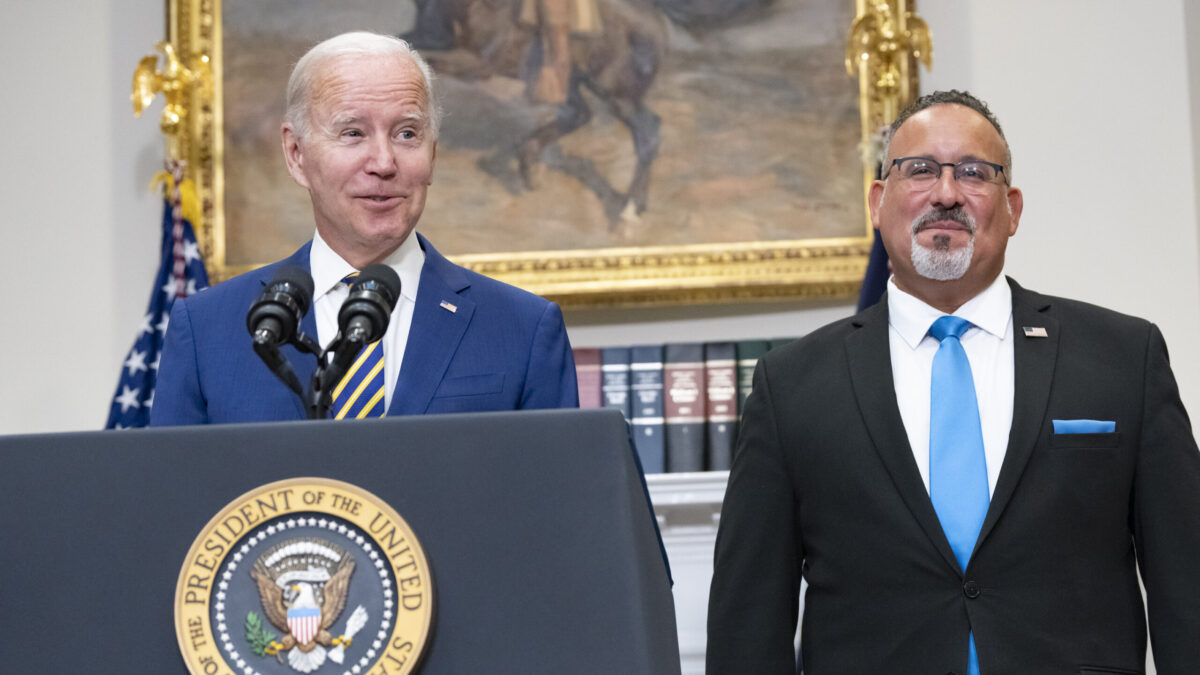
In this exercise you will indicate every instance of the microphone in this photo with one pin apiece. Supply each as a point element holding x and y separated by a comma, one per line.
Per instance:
<point>275,316</point>
<point>364,315</point>
<point>363,318</point>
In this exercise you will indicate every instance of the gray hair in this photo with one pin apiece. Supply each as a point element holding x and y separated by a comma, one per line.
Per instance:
<point>299,88</point>
<point>950,97</point>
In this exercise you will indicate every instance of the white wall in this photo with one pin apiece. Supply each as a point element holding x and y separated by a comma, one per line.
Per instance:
<point>79,227</point>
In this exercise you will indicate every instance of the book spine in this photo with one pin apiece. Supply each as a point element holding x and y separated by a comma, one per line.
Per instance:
<point>748,354</point>
<point>684,406</point>
<point>720,376</point>
<point>646,389</point>
<point>587,372</point>
<point>614,371</point>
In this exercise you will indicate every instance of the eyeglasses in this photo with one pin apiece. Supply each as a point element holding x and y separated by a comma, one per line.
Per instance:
<point>923,172</point>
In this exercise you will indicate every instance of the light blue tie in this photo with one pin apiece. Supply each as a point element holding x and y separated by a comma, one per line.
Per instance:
<point>361,392</point>
<point>958,482</point>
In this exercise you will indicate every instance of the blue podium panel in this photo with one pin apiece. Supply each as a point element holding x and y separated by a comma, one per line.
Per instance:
<point>536,525</point>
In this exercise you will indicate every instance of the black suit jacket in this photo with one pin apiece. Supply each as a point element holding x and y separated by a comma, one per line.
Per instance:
<point>824,485</point>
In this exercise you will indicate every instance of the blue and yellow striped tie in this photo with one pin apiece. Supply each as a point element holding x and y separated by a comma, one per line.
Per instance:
<point>361,392</point>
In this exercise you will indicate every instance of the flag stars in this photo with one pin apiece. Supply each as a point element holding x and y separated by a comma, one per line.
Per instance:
<point>128,398</point>
<point>170,289</point>
<point>162,325</point>
<point>157,360</point>
<point>146,326</point>
<point>191,251</point>
<point>136,362</point>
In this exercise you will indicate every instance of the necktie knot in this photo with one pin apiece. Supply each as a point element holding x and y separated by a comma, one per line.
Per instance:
<point>949,326</point>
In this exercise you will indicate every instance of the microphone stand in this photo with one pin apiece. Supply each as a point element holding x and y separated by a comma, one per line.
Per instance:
<point>316,400</point>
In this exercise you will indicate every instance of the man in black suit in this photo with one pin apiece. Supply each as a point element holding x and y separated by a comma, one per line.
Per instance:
<point>1077,467</point>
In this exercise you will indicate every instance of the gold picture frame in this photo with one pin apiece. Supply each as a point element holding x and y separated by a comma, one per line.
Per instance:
<point>885,41</point>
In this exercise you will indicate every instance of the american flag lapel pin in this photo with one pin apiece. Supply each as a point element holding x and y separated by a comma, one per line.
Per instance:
<point>454,308</point>
<point>1035,331</point>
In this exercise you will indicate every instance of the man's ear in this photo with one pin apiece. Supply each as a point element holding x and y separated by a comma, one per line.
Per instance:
<point>1016,204</point>
<point>432,163</point>
<point>874,198</point>
<point>293,154</point>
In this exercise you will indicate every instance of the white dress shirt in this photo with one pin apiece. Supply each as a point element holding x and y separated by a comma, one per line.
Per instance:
<point>328,269</point>
<point>989,347</point>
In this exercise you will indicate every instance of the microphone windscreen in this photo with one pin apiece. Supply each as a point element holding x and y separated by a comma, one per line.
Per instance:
<point>299,279</point>
<point>383,275</point>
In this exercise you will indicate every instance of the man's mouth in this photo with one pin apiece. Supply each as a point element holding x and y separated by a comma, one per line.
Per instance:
<point>946,220</point>
<point>943,225</point>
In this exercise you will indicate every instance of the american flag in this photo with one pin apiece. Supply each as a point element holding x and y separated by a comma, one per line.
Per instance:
<point>180,274</point>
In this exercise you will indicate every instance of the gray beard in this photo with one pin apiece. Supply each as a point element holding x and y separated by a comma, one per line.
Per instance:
<point>940,263</point>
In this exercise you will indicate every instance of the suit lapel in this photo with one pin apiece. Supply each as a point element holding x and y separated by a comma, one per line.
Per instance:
<point>869,354</point>
<point>1033,360</point>
<point>440,318</point>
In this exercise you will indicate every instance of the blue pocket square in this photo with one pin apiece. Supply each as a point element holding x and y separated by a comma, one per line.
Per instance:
<point>1084,427</point>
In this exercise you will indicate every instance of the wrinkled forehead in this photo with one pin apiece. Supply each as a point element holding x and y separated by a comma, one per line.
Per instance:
<point>948,132</point>
<point>391,76</point>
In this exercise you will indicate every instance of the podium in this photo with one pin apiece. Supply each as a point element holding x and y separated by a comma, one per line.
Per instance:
<point>536,526</point>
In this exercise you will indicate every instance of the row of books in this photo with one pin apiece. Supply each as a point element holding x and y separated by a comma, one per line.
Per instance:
<point>683,400</point>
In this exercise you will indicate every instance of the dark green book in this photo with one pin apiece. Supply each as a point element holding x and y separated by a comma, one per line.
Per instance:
<point>748,354</point>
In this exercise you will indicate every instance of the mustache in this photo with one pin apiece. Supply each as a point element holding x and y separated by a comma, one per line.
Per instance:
<point>941,214</point>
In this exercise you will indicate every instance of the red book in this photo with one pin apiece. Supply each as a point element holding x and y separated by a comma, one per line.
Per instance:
<point>587,371</point>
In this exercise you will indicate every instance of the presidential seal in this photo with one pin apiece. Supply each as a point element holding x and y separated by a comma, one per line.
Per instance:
<point>306,575</point>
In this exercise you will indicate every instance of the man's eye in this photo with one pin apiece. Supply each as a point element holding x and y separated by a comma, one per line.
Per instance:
<point>407,134</point>
<point>921,169</point>
<point>353,133</point>
<point>973,172</point>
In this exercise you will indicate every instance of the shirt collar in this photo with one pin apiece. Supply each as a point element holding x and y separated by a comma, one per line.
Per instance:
<point>328,268</point>
<point>911,317</point>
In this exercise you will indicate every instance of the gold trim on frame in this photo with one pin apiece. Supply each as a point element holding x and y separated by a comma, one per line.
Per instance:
<point>883,44</point>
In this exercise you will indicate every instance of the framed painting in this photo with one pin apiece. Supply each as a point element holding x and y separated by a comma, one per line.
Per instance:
<point>679,151</point>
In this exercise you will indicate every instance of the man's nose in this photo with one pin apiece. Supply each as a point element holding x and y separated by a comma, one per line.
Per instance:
<point>946,191</point>
<point>381,160</point>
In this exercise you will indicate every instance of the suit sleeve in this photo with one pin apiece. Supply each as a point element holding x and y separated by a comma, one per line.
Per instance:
<point>550,369</point>
<point>177,396</point>
<point>1166,517</point>
<point>752,603</point>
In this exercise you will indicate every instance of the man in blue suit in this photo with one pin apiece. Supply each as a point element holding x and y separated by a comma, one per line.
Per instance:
<point>360,134</point>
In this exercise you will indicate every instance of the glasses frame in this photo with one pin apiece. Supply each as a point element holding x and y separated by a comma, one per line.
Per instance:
<point>998,167</point>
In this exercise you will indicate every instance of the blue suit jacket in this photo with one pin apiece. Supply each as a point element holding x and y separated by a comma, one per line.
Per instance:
<point>501,348</point>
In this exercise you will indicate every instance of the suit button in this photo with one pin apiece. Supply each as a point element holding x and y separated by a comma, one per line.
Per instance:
<point>971,589</point>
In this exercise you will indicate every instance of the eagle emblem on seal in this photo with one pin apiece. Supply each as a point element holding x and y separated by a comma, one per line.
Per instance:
<point>302,584</point>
